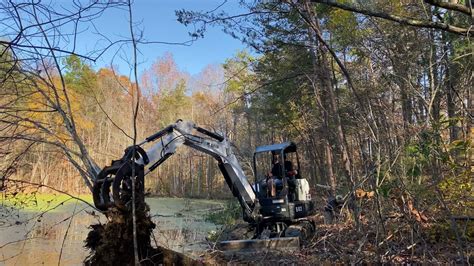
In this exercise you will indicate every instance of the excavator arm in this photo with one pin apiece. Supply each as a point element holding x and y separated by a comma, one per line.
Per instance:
<point>165,143</point>
<point>270,217</point>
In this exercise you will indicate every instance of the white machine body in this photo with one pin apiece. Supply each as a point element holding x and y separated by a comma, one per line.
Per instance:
<point>302,189</point>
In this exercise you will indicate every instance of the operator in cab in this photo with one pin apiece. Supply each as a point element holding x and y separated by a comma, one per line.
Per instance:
<point>275,177</point>
<point>277,169</point>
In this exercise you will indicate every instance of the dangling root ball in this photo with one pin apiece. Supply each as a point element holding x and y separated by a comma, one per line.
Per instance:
<point>112,243</point>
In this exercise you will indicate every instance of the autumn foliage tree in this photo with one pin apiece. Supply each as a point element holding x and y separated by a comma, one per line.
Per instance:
<point>380,96</point>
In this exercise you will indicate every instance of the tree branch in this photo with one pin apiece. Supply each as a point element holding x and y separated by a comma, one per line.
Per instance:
<point>451,6</point>
<point>401,20</point>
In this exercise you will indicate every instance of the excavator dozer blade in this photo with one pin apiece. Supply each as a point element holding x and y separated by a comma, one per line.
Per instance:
<point>258,245</point>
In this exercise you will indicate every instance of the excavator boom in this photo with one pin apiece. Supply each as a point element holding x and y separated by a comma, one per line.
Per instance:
<point>168,140</point>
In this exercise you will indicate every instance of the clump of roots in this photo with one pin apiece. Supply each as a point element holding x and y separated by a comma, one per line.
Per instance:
<point>112,243</point>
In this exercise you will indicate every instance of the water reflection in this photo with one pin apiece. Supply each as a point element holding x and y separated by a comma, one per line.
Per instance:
<point>180,226</point>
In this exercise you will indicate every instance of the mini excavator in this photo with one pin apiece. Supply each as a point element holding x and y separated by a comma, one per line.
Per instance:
<point>276,204</point>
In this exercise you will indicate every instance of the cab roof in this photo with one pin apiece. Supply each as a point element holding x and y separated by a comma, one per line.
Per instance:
<point>285,146</point>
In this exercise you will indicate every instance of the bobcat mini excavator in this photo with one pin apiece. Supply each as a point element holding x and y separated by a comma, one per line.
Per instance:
<point>276,207</point>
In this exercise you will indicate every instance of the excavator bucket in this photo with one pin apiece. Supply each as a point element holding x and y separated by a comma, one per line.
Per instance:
<point>286,244</point>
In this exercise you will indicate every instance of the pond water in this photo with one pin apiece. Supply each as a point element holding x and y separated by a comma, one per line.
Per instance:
<point>180,226</point>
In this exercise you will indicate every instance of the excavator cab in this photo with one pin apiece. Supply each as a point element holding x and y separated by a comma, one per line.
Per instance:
<point>282,192</point>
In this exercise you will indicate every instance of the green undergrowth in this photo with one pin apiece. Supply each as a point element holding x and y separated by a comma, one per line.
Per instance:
<point>226,216</point>
<point>40,201</point>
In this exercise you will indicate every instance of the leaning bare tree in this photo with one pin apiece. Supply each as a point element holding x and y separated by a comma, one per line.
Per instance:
<point>36,106</point>
<point>40,110</point>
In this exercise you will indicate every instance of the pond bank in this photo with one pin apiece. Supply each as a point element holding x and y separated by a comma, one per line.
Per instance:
<point>181,227</point>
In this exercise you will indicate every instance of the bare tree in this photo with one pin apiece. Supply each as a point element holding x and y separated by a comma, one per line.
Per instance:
<point>37,106</point>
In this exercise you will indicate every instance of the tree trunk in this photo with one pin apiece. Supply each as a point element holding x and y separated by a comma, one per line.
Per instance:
<point>208,177</point>
<point>201,174</point>
<point>450,91</point>
<point>191,175</point>
<point>330,177</point>
<point>323,74</point>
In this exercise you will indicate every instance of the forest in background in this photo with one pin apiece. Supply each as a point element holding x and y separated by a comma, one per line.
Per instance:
<point>382,112</point>
<point>101,102</point>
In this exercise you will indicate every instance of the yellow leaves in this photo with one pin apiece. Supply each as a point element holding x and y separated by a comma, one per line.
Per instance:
<point>83,122</point>
<point>111,80</point>
<point>199,96</point>
<point>340,14</point>
<point>40,110</point>
<point>458,189</point>
<point>105,72</point>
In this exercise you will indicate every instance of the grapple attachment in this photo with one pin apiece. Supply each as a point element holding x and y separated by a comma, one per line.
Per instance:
<point>113,186</point>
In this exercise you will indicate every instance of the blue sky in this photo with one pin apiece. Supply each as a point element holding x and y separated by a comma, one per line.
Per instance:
<point>158,22</point>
